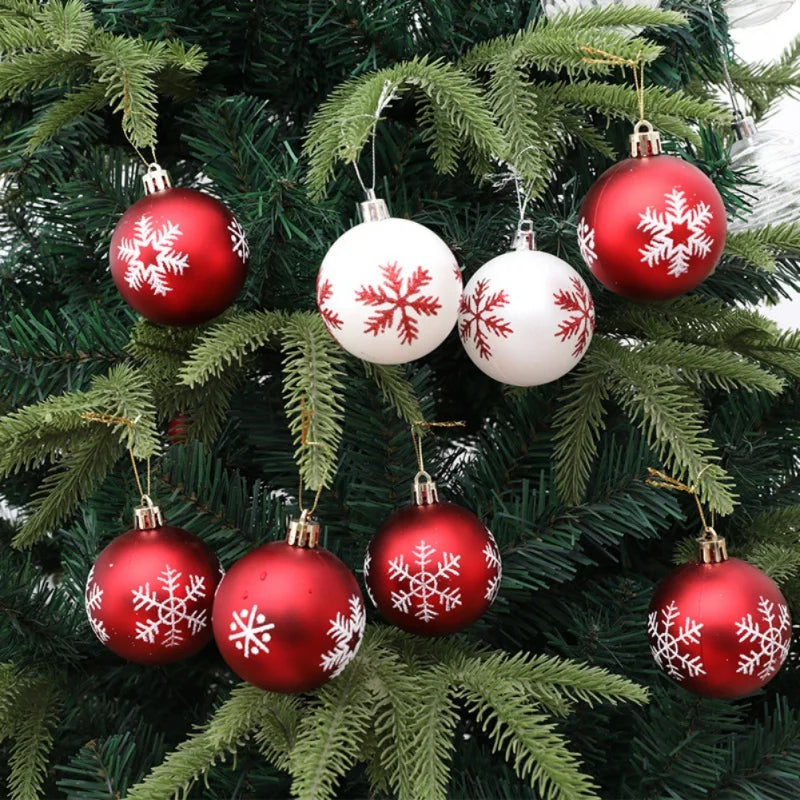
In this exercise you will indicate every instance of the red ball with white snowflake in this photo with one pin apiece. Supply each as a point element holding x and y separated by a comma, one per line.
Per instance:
<point>150,592</point>
<point>178,256</point>
<point>289,616</point>
<point>526,317</point>
<point>653,227</point>
<point>719,627</point>
<point>388,290</point>
<point>432,568</point>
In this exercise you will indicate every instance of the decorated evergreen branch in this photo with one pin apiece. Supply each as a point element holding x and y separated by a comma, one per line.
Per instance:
<point>486,127</point>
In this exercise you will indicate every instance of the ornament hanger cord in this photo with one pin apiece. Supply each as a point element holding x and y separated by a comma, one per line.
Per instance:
<point>523,197</point>
<point>387,95</point>
<point>726,73</point>
<point>416,437</point>
<point>595,56</point>
<point>306,414</point>
<point>110,419</point>
<point>666,482</point>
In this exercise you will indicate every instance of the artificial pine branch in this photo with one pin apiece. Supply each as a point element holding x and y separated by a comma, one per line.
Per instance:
<point>312,389</point>
<point>396,390</point>
<point>227,343</point>
<point>344,122</point>
<point>332,730</point>
<point>35,717</point>
<point>57,43</point>
<point>234,721</point>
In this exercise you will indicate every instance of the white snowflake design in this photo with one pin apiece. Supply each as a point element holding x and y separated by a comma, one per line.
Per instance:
<point>346,632</point>
<point>423,588</point>
<point>172,611</point>
<point>94,599</point>
<point>666,648</point>
<point>367,565</point>
<point>151,256</point>
<point>677,234</point>
<point>250,631</point>
<point>773,639</point>
<point>492,555</point>
<point>586,242</point>
<point>238,239</point>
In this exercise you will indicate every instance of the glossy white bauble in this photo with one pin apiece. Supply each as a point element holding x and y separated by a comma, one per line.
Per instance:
<point>389,291</point>
<point>526,318</point>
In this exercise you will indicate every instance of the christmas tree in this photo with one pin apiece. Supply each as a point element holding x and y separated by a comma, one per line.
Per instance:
<point>460,109</point>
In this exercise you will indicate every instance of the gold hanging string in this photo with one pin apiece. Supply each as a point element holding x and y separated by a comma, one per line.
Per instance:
<point>595,56</point>
<point>306,414</point>
<point>416,436</point>
<point>666,482</point>
<point>110,419</point>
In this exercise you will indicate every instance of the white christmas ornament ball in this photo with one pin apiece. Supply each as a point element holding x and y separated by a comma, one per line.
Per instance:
<point>526,318</point>
<point>389,290</point>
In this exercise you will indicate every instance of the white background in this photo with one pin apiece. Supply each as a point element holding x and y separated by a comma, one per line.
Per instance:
<point>766,42</point>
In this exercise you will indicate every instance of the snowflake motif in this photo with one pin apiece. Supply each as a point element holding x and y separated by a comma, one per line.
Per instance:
<point>476,309</point>
<point>251,631</point>
<point>423,590</point>
<point>677,235</point>
<point>457,273</point>
<point>346,632</point>
<point>172,611</point>
<point>329,316</point>
<point>367,565</point>
<point>586,242</point>
<point>151,256</point>
<point>581,321</point>
<point>773,640</point>
<point>94,599</point>
<point>667,647</point>
<point>395,298</point>
<point>238,239</point>
<point>492,555</point>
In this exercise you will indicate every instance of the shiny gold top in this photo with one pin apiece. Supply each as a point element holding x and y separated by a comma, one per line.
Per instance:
<point>712,548</point>
<point>303,532</point>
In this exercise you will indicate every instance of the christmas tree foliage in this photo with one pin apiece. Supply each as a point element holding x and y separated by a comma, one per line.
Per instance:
<point>553,694</point>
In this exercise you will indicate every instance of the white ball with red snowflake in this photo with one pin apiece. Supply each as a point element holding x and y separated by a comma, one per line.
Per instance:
<point>526,318</point>
<point>388,290</point>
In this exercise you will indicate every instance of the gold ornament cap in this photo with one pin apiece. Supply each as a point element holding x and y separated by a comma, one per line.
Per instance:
<point>303,532</point>
<point>424,491</point>
<point>373,209</point>
<point>713,549</point>
<point>147,516</point>
<point>645,140</point>
<point>156,179</point>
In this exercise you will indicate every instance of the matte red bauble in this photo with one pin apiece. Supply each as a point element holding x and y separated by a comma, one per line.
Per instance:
<point>652,227</point>
<point>432,568</point>
<point>178,256</point>
<point>150,592</point>
<point>719,627</point>
<point>289,616</point>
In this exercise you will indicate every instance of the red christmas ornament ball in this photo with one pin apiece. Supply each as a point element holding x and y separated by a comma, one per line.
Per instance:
<point>178,257</point>
<point>432,569</point>
<point>652,228</point>
<point>288,618</point>
<point>150,592</point>
<point>719,630</point>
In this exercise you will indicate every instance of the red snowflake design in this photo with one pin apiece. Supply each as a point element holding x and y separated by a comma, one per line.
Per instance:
<point>476,310</point>
<point>457,272</point>
<point>581,321</point>
<point>391,297</point>
<point>329,316</point>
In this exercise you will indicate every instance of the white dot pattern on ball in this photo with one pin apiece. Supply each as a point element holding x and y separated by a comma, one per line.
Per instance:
<point>526,318</point>
<point>389,291</point>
